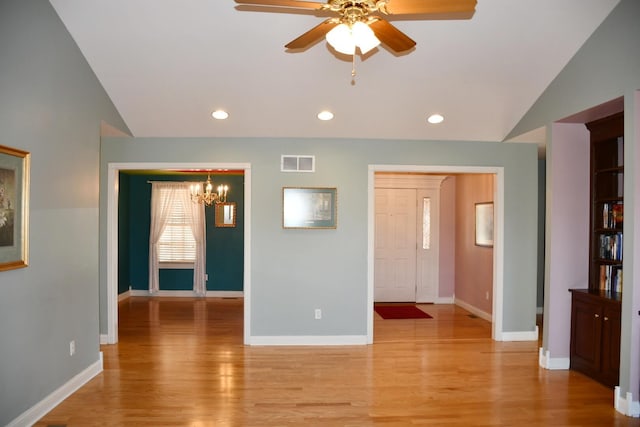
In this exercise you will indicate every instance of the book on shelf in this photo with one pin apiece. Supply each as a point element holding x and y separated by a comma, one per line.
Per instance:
<point>617,211</point>
<point>610,278</point>
<point>611,247</point>
<point>612,215</point>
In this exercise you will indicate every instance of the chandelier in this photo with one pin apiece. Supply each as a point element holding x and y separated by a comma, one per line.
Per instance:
<point>204,193</point>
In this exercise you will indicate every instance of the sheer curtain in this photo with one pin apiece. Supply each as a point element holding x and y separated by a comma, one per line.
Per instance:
<point>195,216</point>
<point>176,192</point>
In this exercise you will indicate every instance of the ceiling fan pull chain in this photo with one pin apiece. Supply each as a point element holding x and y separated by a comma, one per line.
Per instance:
<point>353,65</point>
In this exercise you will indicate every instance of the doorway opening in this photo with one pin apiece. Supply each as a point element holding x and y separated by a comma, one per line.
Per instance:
<point>112,235</point>
<point>498,251</point>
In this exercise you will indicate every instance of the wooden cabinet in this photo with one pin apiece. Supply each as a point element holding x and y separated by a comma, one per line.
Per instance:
<point>595,311</point>
<point>595,335</point>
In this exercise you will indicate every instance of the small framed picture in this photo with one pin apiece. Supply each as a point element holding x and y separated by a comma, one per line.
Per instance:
<point>226,214</point>
<point>309,207</point>
<point>14,208</point>
<point>484,224</point>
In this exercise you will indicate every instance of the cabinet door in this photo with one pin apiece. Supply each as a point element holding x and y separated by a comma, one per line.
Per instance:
<point>611,345</point>
<point>586,329</point>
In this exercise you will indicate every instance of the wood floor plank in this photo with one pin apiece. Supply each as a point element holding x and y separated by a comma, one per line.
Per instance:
<point>181,362</point>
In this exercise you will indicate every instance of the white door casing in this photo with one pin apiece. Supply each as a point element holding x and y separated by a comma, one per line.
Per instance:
<point>113,170</point>
<point>498,246</point>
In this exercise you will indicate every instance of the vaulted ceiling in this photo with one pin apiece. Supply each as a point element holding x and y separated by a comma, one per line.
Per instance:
<point>168,64</point>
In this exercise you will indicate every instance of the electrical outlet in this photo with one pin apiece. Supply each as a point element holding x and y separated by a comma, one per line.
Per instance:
<point>206,277</point>
<point>318,314</point>
<point>487,296</point>
<point>72,347</point>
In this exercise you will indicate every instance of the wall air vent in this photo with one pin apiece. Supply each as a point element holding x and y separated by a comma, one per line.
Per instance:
<point>297,163</point>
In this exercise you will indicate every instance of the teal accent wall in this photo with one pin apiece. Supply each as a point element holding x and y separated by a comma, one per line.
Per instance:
<point>225,246</point>
<point>124,254</point>
<point>52,105</point>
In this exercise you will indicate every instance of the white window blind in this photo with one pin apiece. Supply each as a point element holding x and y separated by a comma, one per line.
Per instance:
<point>177,243</point>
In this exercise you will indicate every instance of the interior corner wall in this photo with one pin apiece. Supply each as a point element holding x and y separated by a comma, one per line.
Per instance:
<point>567,259</point>
<point>606,67</point>
<point>474,264</point>
<point>630,332</point>
<point>447,263</point>
<point>542,194</point>
<point>52,105</point>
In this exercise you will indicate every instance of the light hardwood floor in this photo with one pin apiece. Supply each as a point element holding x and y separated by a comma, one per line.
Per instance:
<point>181,362</point>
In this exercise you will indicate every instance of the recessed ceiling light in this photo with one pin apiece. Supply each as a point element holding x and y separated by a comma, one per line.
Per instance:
<point>325,115</point>
<point>219,114</point>
<point>435,119</point>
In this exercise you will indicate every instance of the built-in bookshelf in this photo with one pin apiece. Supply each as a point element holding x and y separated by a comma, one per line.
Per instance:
<point>607,204</point>
<point>596,310</point>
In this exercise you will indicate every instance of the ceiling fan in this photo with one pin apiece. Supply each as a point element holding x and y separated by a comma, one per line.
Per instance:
<point>361,23</point>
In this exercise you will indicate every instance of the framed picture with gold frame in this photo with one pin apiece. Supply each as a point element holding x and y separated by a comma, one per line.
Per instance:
<point>309,207</point>
<point>14,208</point>
<point>226,214</point>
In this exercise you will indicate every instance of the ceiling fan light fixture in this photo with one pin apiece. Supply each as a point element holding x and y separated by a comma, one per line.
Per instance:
<point>364,37</point>
<point>341,39</point>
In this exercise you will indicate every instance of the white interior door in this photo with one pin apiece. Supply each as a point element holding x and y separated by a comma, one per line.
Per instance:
<point>395,245</point>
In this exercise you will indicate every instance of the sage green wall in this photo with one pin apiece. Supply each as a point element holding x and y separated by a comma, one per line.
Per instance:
<point>51,105</point>
<point>295,271</point>
<point>605,68</point>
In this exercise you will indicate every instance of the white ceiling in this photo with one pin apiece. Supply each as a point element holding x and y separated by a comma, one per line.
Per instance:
<point>168,64</point>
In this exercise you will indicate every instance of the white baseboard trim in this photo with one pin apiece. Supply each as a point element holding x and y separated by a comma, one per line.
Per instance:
<point>552,363</point>
<point>626,405</point>
<point>40,409</point>
<point>123,296</point>
<point>186,294</point>
<point>104,339</point>
<point>444,300</point>
<point>308,340</point>
<point>474,310</point>
<point>519,335</point>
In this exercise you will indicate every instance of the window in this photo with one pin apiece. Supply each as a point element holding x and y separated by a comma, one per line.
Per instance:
<point>426,223</point>
<point>176,244</point>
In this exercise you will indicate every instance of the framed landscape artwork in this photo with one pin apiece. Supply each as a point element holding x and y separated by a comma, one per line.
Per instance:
<point>309,207</point>
<point>14,208</point>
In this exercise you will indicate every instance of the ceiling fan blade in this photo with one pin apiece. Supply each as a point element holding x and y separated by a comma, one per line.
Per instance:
<point>460,9</point>
<point>395,39</point>
<point>296,4</point>
<point>312,35</point>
